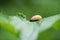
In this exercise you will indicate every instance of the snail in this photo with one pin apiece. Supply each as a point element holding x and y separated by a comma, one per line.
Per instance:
<point>35,18</point>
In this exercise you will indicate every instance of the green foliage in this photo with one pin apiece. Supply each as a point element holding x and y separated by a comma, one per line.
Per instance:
<point>4,22</point>
<point>5,35</point>
<point>25,30</point>
<point>50,34</point>
<point>56,25</point>
<point>14,25</point>
<point>42,7</point>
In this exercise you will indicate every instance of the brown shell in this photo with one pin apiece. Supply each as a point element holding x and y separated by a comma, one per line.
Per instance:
<point>36,18</point>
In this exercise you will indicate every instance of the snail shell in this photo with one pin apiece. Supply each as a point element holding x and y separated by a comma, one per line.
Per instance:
<point>36,18</point>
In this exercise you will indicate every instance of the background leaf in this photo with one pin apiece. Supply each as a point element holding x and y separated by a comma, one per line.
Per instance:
<point>5,35</point>
<point>31,7</point>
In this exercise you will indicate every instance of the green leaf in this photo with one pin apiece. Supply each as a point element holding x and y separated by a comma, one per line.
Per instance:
<point>5,35</point>
<point>56,25</point>
<point>30,30</point>
<point>4,22</point>
<point>49,34</point>
<point>47,29</point>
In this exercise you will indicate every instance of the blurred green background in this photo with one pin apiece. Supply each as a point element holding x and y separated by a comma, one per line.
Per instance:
<point>30,7</point>
<point>45,8</point>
